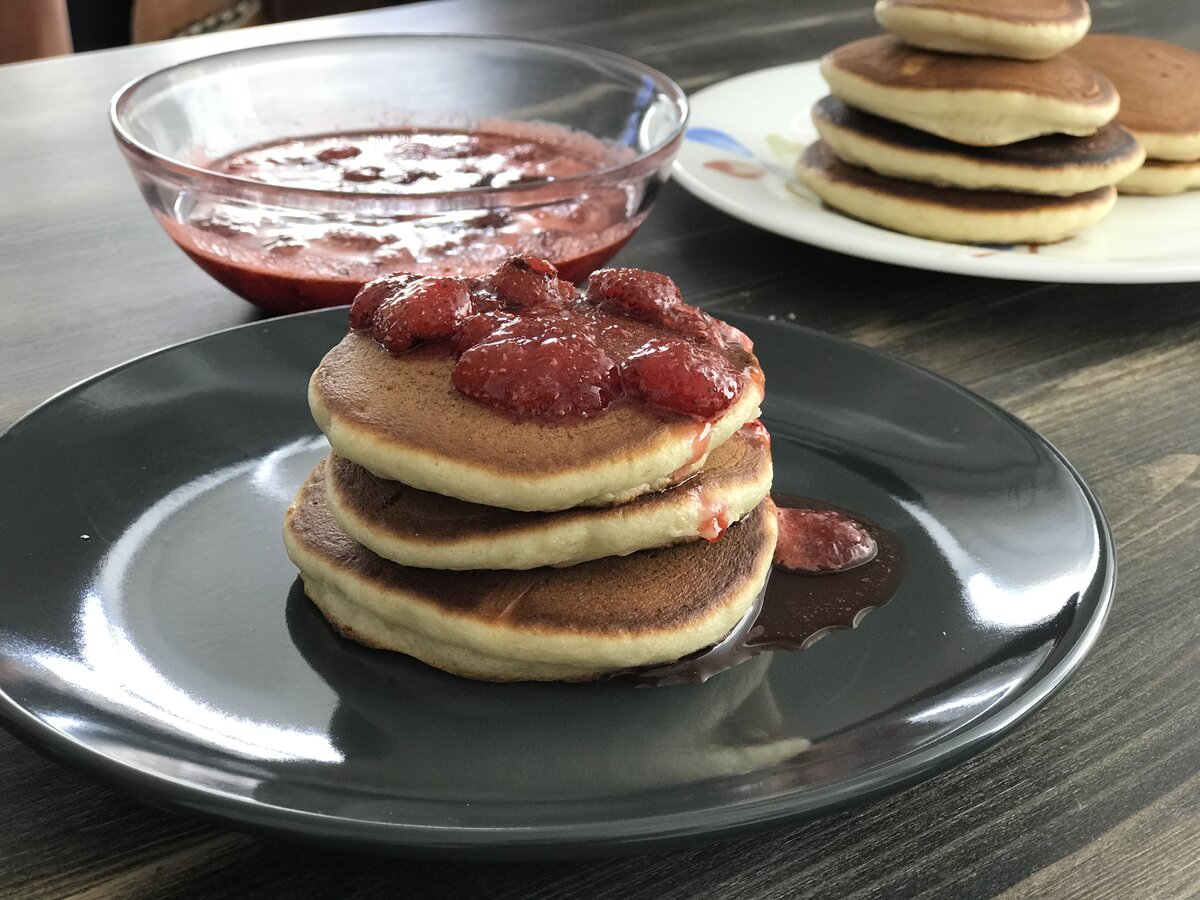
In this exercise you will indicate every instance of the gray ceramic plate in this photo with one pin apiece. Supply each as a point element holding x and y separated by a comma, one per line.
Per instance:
<point>152,634</point>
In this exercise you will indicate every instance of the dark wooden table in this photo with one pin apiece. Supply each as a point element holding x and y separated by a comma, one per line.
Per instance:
<point>1097,795</point>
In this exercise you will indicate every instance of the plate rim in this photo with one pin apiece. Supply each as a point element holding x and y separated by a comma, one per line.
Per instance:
<point>1070,272</point>
<point>572,840</point>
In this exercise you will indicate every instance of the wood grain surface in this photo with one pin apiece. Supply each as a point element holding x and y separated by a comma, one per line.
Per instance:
<point>1096,795</point>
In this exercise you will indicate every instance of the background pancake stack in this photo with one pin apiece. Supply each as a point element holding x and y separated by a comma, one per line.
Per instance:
<point>1160,103</point>
<point>508,549</point>
<point>969,124</point>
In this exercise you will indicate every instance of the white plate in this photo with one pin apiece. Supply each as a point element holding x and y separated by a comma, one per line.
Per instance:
<point>757,124</point>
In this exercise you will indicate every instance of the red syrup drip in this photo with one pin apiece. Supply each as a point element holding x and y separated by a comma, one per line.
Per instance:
<point>714,519</point>
<point>755,430</point>
<point>700,441</point>
<point>794,609</point>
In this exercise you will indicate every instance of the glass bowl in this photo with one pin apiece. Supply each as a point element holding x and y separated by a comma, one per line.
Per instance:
<point>312,242</point>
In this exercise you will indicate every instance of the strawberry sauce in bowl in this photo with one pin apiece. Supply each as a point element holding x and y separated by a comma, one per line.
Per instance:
<point>295,173</point>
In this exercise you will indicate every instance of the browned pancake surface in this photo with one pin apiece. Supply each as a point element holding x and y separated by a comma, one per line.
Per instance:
<point>820,157</point>
<point>1052,151</point>
<point>409,401</point>
<point>429,518</point>
<point>1159,82</point>
<point>646,592</point>
<point>1040,12</point>
<point>888,62</point>
<point>1168,165</point>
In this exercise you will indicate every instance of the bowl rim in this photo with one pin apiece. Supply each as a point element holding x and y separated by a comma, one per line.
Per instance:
<point>663,82</point>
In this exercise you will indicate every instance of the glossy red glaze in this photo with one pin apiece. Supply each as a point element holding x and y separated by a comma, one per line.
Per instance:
<point>683,377</point>
<point>714,519</point>
<point>756,431</point>
<point>541,367</point>
<point>821,540</point>
<point>526,281</point>
<point>416,160</point>
<point>655,299</point>
<point>528,344</point>
<point>286,263</point>
<point>369,299</point>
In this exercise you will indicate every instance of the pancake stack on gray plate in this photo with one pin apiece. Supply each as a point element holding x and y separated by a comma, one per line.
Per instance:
<point>968,123</point>
<point>518,550</point>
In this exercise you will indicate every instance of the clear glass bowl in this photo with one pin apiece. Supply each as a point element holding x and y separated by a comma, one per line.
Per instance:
<point>288,248</point>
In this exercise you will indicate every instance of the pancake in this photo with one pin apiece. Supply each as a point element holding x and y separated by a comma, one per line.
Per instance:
<point>571,624</point>
<point>948,214</point>
<point>984,102</point>
<point>419,528</point>
<point>1051,164</point>
<point>401,418</point>
<point>1161,177</point>
<point>1160,90</point>
<point>1018,29</point>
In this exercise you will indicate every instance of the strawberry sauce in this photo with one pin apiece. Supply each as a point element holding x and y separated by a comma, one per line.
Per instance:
<point>286,260</point>
<point>416,161</point>
<point>816,541</point>
<point>528,343</point>
<point>798,607</point>
<point>714,520</point>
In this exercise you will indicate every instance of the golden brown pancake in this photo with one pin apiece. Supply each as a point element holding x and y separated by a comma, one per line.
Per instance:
<point>1160,177</point>
<point>419,528</point>
<point>401,418</point>
<point>985,102</point>
<point>948,214</point>
<point>570,624</point>
<point>1051,164</point>
<point>1019,29</point>
<point>1160,90</point>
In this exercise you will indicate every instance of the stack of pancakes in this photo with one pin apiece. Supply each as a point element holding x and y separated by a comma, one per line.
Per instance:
<point>969,124</point>
<point>1160,103</point>
<point>506,549</point>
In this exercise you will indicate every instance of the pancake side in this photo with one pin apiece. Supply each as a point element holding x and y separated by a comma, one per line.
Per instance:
<point>1160,178</point>
<point>1029,30</point>
<point>948,214</point>
<point>419,528</point>
<point>1159,84</point>
<point>980,102</point>
<point>576,623</point>
<point>1052,164</point>
<point>401,418</point>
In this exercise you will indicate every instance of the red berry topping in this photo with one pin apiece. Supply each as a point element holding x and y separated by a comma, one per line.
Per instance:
<point>400,310</point>
<point>699,325</point>
<point>341,151</point>
<point>372,295</point>
<point>633,292</point>
<point>542,367</point>
<point>365,173</point>
<point>475,329</point>
<point>435,307</point>
<point>527,343</point>
<point>682,377</point>
<point>732,335</point>
<point>821,540</point>
<point>654,298</point>
<point>390,328</point>
<point>527,281</point>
